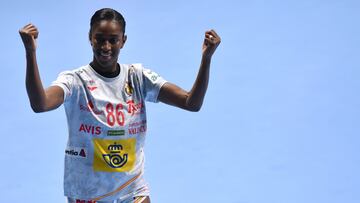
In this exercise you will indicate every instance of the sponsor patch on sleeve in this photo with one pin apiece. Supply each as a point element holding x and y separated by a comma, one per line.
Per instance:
<point>151,75</point>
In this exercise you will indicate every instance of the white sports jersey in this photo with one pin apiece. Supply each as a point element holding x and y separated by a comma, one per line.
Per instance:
<point>104,158</point>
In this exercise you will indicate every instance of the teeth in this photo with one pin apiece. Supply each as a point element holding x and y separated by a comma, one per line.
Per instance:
<point>105,54</point>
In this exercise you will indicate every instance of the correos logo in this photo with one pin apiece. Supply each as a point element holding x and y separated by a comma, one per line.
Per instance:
<point>114,158</point>
<point>114,155</point>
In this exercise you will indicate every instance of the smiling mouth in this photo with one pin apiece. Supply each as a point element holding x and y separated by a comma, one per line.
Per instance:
<point>105,55</point>
<point>102,53</point>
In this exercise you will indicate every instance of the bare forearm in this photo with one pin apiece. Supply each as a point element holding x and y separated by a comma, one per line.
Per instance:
<point>193,100</point>
<point>34,86</point>
<point>198,91</point>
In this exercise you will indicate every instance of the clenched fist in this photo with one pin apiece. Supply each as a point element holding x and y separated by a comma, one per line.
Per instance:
<point>29,34</point>
<point>211,42</point>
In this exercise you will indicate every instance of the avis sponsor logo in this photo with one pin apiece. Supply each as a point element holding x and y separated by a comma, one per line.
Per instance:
<point>75,152</point>
<point>137,130</point>
<point>90,129</point>
<point>90,108</point>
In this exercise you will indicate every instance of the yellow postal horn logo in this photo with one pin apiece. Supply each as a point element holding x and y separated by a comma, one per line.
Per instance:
<point>114,155</point>
<point>114,159</point>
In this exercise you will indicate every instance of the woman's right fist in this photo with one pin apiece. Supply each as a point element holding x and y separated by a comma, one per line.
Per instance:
<point>28,34</point>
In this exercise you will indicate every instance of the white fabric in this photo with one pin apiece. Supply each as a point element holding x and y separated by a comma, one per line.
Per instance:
<point>107,126</point>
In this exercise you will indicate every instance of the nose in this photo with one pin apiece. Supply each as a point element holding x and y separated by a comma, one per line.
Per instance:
<point>106,46</point>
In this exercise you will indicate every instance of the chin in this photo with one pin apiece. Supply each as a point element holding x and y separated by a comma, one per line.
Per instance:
<point>106,64</point>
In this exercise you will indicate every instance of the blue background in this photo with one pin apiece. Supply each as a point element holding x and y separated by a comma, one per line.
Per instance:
<point>280,121</point>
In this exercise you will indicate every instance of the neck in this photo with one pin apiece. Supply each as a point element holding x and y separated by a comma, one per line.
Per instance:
<point>108,72</point>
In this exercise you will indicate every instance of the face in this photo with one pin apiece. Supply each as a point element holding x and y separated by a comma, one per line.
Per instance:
<point>107,38</point>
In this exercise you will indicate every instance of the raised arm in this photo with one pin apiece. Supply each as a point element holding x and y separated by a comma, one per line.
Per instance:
<point>192,101</point>
<point>41,100</point>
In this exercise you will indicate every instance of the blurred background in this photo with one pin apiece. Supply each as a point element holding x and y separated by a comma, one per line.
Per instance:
<point>280,121</point>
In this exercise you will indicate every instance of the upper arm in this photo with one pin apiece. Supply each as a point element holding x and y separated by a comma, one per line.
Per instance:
<point>54,97</point>
<point>173,95</point>
<point>56,94</point>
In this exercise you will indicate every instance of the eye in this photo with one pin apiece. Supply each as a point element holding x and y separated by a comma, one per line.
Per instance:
<point>99,40</point>
<point>113,40</point>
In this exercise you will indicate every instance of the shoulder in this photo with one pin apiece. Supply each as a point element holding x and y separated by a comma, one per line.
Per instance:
<point>132,67</point>
<point>80,70</point>
<point>75,71</point>
<point>72,77</point>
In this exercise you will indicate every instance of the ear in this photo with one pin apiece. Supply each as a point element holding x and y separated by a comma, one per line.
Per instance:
<point>90,38</point>
<point>124,40</point>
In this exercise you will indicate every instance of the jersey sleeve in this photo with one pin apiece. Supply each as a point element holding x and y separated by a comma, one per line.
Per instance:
<point>65,80</point>
<point>152,83</point>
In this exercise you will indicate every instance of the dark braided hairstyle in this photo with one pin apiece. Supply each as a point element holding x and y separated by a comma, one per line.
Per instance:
<point>106,14</point>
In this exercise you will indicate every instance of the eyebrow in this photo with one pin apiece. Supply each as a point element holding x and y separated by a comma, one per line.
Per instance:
<point>100,35</point>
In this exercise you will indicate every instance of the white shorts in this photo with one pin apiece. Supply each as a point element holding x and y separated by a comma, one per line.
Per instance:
<point>129,200</point>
